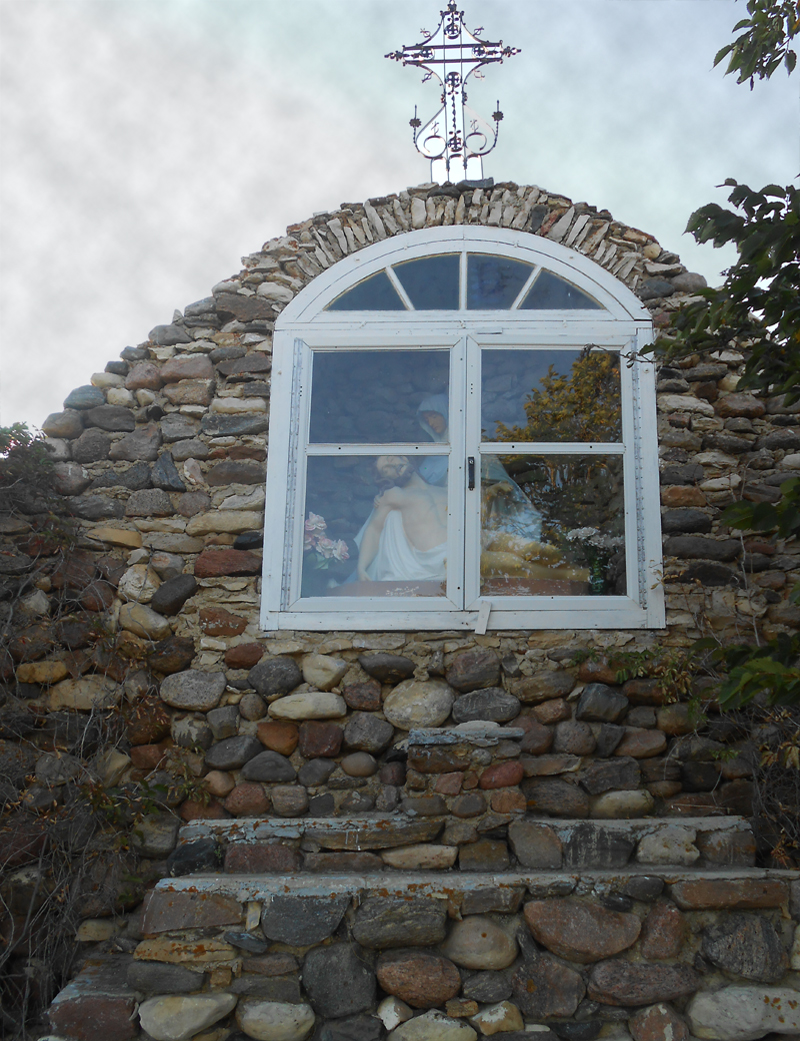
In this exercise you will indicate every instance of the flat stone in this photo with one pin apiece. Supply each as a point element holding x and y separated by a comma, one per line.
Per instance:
<point>473,670</point>
<point>601,704</point>
<point>485,855</point>
<point>376,834</point>
<point>117,537</point>
<point>302,920</point>
<point>106,1003</point>
<point>177,427</point>
<point>596,847</point>
<point>143,444</point>
<point>746,945</point>
<point>343,863</point>
<point>724,894</point>
<point>278,964</point>
<point>478,942</point>
<point>421,858</point>
<point>639,743</point>
<point>274,1020</point>
<point>167,912</point>
<point>233,752</point>
<point>383,922</point>
<point>489,704</point>
<point>740,1013</point>
<point>339,981</point>
<point>165,949</point>
<point>248,423</point>
<point>580,932</point>
<point>541,686</point>
<point>86,694</point>
<point>696,547</point>
<point>728,848</point>
<point>309,705</point>
<point>167,335</point>
<point>42,672</point>
<point>556,797</point>
<point>546,988</point>
<point>267,767</point>
<point>158,978</point>
<point>415,703</point>
<point>611,774</point>
<point>670,845</point>
<point>618,982</point>
<point>535,845</point>
<point>255,858</point>
<point>663,932</point>
<point>433,1026</point>
<point>387,668</point>
<point>418,978</point>
<point>193,690</point>
<point>275,676</point>
<point>499,1019</point>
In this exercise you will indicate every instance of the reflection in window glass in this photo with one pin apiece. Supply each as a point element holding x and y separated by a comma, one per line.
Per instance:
<point>494,283</point>
<point>550,395</point>
<point>432,282</point>
<point>551,292</point>
<point>373,294</point>
<point>379,397</point>
<point>373,527</point>
<point>552,526</point>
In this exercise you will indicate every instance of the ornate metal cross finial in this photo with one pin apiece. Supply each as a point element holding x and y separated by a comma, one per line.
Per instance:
<point>456,139</point>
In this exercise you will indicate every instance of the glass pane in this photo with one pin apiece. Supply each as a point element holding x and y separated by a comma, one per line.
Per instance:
<point>373,527</point>
<point>432,282</point>
<point>551,292</point>
<point>494,283</point>
<point>550,395</point>
<point>552,526</point>
<point>379,397</point>
<point>373,294</point>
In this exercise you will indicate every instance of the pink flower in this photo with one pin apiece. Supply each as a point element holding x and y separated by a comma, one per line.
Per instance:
<point>326,547</point>
<point>340,550</point>
<point>315,523</point>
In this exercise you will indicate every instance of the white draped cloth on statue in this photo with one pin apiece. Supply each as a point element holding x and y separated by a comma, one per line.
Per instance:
<point>397,560</point>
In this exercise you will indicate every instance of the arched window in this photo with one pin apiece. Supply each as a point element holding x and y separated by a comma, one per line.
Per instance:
<point>462,436</point>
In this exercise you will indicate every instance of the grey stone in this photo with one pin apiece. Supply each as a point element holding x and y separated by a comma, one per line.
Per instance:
<point>70,478</point>
<point>275,676</point>
<point>382,922</point>
<point>285,989</point>
<point>315,771</point>
<point>91,446</point>
<point>171,595</point>
<point>84,398</point>
<point>155,836</point>
<point>161,978</point>
<point>193,690</point>
<point>492,703</point>
<point>249,942</point>
<point>165,475</point>
<point>611,774</point>
<point>67,424</point>
<point>352,1028</point>
<point>546,988</point>
<point>608,737</point>
<point>555,797</point>
<point>168,335</point>
<point>618,982</point>
<point>204,855</point>
<point>236,471</point>
<point>687,519</point>
<point>252,707</point>
<point>57,768</point>
<point>388,668</point>
<point>644,887</point>
<point>150,502</point>
<point>134,478</point>
<point>695,547</point>
<point>339,981</point>
<point>192,733</point>
<point>234,426</point>
<point>95,507</point>
<point>234,752</point>
<point>655,288</point>
<point>224,722</point>
<point>268,766</point>
<point>114,418</point>
<point>177,427</point>
<point>535,845</point>
<point>365,732</point>
<point>597,847</point>
<point>601,704</point>
<point>487,987</point>
<point>143,444</point>
<point>573,738</point>
<point>303,920</point>
<point>746,945</point>
<point>745,1013</point>
<point>474,670</point>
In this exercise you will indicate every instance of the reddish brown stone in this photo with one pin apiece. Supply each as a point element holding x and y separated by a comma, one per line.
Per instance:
<point>484,855</point>
<point>646,692</point>
<point>663,932</point>
<point>213,563</point>
<point>472,805</point>
<point>537,739</point>
<point>247,452</point>
<point>502,775</point>
<point>21,842</point>
<point>342,863</point>
<point>75,571</point>
<point>449,784</point>
<point>550,712</point>
<point>739,405</point>
<point>165,911</point>
<point>271,964</point>
<point>364,696</point>
<point>436,760</point>
<point>508,800</point>
<point>258,361</point>
<point>192,503</point>
<point>192,810</point>
<point>618,982</point>
<point>248,800</point>
<point>253,858</point>
<point>244,656</point>
<point>581,932</point>
<point>658,1023</point>
<point>728,894</point>
<point>278,736</point>
<point>640,743</point>
<point>320,740</point>
<point>737,797</point>
<point>728,848</point>
<point>682,495</point>
<point>147,757</point>
<point>419,978</point>
<point>33,642</point>
<point>90,1016</point>
<point>597,670</point>
<point>147,722</point>
<point>392,773</point>
<point>172,655</point>
<point>97,596</point>
<point>215,621</point>
<point>144,375</point>
<point>546,988</point>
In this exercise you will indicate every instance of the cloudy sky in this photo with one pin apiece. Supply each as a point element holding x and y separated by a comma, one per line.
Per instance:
<point>148,144</point>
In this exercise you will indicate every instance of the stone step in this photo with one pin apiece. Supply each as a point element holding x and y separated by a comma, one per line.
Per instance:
<point>399,843</point>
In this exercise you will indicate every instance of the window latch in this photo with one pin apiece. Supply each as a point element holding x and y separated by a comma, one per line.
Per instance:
<point>471,473</point>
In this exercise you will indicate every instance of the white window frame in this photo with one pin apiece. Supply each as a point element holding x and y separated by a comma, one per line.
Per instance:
<point>305,327</point>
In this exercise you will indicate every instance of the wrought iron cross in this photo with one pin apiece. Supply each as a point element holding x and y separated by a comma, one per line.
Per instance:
<point>456,139</point>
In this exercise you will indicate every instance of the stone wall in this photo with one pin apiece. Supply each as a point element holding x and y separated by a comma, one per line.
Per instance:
<point>140,695</point>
